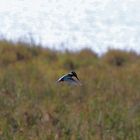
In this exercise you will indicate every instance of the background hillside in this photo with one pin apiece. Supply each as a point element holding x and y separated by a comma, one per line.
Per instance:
<point>34,107</point>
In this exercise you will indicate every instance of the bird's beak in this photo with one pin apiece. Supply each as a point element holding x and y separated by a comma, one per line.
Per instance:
<point>77,77</point>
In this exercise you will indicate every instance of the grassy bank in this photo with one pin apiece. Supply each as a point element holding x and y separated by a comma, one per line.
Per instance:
<point>34,107</point>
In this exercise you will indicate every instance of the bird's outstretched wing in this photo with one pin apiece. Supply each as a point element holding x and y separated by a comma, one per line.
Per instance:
<point>61,78</point>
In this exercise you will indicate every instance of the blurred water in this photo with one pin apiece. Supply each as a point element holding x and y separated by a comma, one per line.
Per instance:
<point>73,24</point>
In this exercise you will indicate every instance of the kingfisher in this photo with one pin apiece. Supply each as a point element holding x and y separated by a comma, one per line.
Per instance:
<point>69,78</point>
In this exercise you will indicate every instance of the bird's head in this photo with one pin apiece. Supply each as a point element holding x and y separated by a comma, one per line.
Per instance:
<point>74,74</point>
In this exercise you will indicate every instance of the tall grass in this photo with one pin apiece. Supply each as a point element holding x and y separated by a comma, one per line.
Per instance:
<point>34,107</point>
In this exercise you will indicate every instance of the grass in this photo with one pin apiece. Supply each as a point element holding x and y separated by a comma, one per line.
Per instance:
<point>34,107</point>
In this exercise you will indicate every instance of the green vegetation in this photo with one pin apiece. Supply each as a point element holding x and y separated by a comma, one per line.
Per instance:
<point>34,107</point>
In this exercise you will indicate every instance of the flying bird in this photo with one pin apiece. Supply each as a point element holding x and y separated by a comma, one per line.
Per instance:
<point>68,78</point>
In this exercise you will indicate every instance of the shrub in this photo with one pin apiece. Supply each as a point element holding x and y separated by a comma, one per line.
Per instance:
<point>119,58</point>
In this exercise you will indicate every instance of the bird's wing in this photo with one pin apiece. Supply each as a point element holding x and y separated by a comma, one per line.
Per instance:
<point>61,78</point>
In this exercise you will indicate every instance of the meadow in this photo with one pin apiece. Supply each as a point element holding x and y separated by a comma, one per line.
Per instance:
<point>34,107</point>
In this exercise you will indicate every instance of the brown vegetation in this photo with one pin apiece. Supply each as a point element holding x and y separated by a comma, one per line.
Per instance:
<point>34,107</point>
